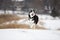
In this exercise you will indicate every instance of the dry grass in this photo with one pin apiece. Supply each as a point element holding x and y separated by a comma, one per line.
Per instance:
<point>15,26</point>
<point>23,26</point>
<point>8,17</point>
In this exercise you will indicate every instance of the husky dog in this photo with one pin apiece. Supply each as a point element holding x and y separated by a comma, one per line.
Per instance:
<point>33,17</point>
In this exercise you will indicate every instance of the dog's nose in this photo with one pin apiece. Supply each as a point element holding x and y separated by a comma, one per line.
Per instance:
<point>32,14</point>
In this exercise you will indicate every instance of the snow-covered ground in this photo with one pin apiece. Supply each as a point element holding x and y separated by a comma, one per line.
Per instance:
<point>52,24</point>
<point>28,34</point>
<point>46,21</point>
<point>47,17</point>
<point>11,12</point>
<point>32,34</point>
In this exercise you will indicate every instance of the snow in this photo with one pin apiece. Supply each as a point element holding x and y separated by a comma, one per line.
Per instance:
<point>47,17</point>
<point>33,34</point>
<point>49,24</point>
<point>52,24</point>
<point>28,34</point>
<point>11,12</point>
<point>46,21</point>
<point>1,12</point>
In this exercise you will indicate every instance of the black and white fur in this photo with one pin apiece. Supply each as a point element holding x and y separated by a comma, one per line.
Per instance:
<point>35,19</point>
<point>32,15</point>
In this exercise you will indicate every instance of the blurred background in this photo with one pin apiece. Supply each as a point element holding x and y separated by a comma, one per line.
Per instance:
<point>41,6</point>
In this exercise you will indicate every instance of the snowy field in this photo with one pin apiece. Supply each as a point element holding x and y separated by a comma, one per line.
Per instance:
<point>28,34</point>
<point>52,24</point>
<point>46,21</point>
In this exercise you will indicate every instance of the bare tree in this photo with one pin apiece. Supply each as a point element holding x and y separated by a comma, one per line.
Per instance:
<point>56,8</point>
